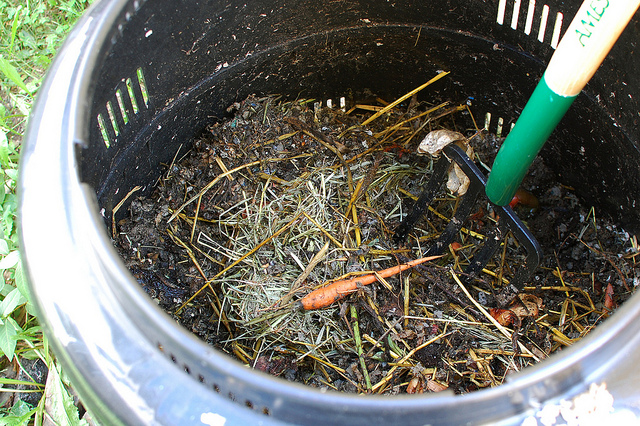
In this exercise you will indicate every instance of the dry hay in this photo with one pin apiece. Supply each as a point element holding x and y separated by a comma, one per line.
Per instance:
<point>286,196</point>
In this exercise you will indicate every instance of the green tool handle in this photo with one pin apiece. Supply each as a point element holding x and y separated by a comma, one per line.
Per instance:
<point>587,41</point>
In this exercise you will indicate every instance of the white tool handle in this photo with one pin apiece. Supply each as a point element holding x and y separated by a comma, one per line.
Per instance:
<point>589,38</point>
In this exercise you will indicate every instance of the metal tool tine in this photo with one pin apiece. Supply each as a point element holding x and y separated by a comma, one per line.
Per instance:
<point>507,219</point>
<point>460,216</point>
<point>527,241</point>
<point>490,244</point>
<point>420,206</point>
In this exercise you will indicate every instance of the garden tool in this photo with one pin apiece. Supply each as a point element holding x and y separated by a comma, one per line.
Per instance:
<point>587,41</point>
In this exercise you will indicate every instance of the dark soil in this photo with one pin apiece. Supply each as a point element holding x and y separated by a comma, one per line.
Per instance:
<point>245,312</point>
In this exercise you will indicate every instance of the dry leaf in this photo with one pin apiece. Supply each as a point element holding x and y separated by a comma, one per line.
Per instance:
<point>526,305</point>
<point>455,246</point>
<point>505,317</point>
<point>609,303</point>
<point>434,386</point>
<point>414,386</point>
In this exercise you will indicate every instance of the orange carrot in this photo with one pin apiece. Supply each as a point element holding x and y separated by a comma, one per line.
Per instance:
<point>325,296</point>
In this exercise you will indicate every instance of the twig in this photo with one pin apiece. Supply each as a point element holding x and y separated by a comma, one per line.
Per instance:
<point>324,231</point>
<point>319,256</point>
<point>406,300</point>
<point>364,183</point>
<point>217,307</point>
<point>209,185</point>
<point>117,207</point>
<point>195,218</point>
<point>389,375</point>
<point>222,176</point>
<point>404,122</point>
<point>356,336</point>
<point>223,167</point>
<point>402,98</point>
<point>173,161</point>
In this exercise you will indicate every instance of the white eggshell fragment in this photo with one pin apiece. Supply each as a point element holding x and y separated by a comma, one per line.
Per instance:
<point>458,182</point>
<point>438,139</point>
<point>434,142</point>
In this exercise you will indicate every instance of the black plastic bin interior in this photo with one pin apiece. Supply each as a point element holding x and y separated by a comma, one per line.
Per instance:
<point>197,60</point>
<point>160,71</point>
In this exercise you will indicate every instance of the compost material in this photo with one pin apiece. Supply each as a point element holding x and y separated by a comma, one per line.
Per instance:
<point>285,197</point>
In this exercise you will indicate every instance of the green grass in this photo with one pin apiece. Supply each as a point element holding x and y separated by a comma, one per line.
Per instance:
<point>32,31</point>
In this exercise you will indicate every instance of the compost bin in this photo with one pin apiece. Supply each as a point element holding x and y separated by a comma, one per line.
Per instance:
<point>135,80</point>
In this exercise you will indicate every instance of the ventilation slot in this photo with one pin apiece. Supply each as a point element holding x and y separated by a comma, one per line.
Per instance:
<point>544,31</point>
<point>498,127</point>
<point>129,99</point>
<point>220,389</point>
